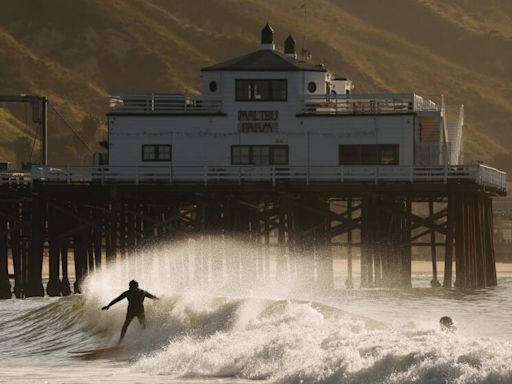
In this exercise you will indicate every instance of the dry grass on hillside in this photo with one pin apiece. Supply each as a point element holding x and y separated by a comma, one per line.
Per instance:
<point>79,52</point>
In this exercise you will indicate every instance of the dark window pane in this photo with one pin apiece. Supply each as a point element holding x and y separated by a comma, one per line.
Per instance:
<point>240,155</point>
<point>148,152</point>
<point>280,155</point>
<point>164,152</point>
<point>389,154</point>
<point>368,154</point>
<point>279,91</point>
<point>350,154</point>
<point>243,90</point>
<point>262,90</point>
<point>260,155</point>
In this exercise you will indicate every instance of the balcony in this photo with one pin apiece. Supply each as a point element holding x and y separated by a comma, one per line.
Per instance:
<point>164,104</point>
<point>368,104</point>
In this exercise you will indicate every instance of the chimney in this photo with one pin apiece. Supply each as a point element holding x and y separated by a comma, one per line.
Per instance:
<point>267,38</point>
<point>289,47</point>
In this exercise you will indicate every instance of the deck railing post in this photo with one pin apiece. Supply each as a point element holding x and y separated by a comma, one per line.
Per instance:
<point>479,174</point>
<point>342,171</point>
<point>102,175</point>
<point>68,174</point>
<point>273,170</point>
<point>307,175</point>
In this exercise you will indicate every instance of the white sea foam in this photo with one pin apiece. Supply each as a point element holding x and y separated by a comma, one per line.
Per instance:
<point>256,328</point>
<point>299,343</point>
<point>253,329</point>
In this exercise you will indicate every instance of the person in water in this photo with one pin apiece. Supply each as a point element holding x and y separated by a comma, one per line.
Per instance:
<point>135,298</point>
<point>447,324</point>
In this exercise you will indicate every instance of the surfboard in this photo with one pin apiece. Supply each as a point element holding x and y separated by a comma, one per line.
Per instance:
<point>96,351</point>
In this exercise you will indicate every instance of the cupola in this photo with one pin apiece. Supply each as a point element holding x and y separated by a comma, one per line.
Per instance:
<point>289,47</point>
<point>267,37</point>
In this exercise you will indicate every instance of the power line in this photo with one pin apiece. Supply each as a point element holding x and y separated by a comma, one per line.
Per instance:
<point>72,129</point>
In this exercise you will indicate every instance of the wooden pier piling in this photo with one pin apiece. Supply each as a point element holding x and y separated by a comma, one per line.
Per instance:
<point>294,228</point>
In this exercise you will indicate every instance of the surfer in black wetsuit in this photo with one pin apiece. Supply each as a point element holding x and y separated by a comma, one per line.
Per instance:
<point>135,298</point>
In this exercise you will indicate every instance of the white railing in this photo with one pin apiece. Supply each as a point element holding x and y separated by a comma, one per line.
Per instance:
<point>164,103</point>
<point>477,174</point>
<point>380,103</point>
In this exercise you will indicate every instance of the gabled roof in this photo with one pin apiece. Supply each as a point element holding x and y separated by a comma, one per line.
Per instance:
<point>265,60</point>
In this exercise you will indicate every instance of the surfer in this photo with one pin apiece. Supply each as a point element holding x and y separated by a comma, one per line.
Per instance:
<point>135,298</point>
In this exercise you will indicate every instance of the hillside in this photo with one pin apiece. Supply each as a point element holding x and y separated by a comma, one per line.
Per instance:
<point>78,52</point>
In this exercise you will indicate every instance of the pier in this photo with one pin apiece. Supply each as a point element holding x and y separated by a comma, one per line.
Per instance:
<point>276,151</point>
<point>95,215</point>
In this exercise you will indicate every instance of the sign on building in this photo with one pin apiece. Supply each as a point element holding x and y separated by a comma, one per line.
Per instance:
<point>258,121</point>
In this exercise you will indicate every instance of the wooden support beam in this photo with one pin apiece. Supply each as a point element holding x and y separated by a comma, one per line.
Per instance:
<point>491,278</point>
<point>349,283</point>
<point>448,253</point>
<point>54,286</point>
<point>5,286</point>
<point>460,242</point>
<point>34,285</point>
<point>434,283</point>
<point>65,285</point>
<point>17,254</point>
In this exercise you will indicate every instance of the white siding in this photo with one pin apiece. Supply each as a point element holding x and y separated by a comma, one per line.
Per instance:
<point>207,140</point>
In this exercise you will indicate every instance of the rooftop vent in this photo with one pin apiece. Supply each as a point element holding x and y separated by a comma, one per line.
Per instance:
<point>267,37</point>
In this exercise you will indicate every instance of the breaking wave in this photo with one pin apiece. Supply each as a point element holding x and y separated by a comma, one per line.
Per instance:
<point>281,340</point>
<point>204,334</point>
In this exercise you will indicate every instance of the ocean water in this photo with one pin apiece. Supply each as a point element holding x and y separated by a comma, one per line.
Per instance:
<point>221,332</point>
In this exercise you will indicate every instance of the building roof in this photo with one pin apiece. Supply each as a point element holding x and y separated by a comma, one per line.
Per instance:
<point>265,60</point>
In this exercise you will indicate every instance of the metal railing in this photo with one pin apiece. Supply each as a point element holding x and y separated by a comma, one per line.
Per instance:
<point>478,174</point>
<point>355,104</point>
<point>164,103</point>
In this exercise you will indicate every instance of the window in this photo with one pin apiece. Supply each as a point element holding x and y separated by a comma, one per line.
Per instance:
<point>312,87</point>
<point>156,152</point>
<point>259,155</point>
<point>240,154</point>
<point>369,154</point>
<point>280,155</point>
<point>388,154</point>
<point>213,86</point>
<point>261,90</point>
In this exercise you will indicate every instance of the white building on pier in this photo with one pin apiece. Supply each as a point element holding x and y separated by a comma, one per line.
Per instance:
<point>268,115</point>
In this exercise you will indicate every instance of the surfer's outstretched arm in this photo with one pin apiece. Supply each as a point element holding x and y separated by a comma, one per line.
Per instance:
<point>117,299</point>
<point>150,296</point>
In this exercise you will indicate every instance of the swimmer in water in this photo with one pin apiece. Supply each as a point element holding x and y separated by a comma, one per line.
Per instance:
<point>447,324</point>
<point>135,298</point>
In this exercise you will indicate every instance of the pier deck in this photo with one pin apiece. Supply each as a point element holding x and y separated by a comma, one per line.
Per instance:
<point>100,214</point>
